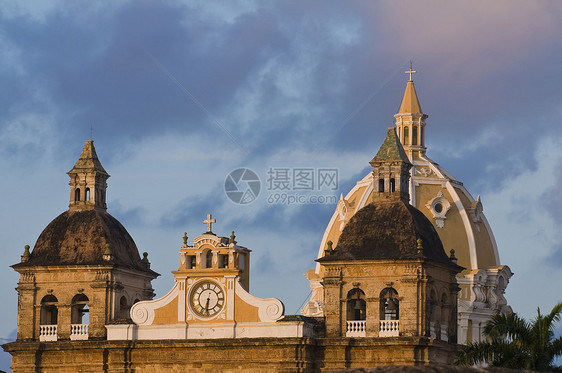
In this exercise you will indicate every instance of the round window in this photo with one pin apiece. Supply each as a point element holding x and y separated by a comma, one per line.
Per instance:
<point>438,207</point>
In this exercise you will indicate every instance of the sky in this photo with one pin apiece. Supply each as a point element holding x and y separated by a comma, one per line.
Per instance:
<point>177,94</point>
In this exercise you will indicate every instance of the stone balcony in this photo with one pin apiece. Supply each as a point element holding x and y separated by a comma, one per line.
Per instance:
<point>356,328</point>
<point>389,328</point>
<point>47,333</point>
<point>78,332</point>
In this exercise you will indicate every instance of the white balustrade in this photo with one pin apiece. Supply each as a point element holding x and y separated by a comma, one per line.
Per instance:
<point>444,332</point>
<point>47,333</point>
<point>355,328</point>
<point>78,332</point>
<point>389,328</point>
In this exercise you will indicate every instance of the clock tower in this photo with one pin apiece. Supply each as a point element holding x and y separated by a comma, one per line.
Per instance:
<point>210,297</point>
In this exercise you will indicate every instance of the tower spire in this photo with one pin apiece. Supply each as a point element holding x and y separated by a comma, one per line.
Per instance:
<point>410,120</point>
<point>88,181</point>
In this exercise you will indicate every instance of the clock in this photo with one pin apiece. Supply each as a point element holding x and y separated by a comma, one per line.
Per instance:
<point>207,299</point>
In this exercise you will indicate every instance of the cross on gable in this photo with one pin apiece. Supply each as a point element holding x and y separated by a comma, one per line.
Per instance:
<point>410,71</point>
<point>209,221</point>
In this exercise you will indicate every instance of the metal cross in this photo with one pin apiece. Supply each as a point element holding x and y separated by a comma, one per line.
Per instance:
<point>209,223</point>
<point>410,71</point>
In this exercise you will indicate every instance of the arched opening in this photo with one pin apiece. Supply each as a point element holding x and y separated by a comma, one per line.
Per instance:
<point>123,308</point>
<point>445,309</point>
<point>207,258</point>
<point>356,305</point>
<point>356,313</point>
<point>381,185</point>
<point>389,304</point>
<point>48,319</point>
<point>79,313</point>
<point>414,135</point>
<point>79,318</point>
<point>87,194</point>
<point>77,195</point>
<point>433,314</point>
<point>389,313</point>
<point>49,310</point>
<point>406,136</point>
<point>392,185</point>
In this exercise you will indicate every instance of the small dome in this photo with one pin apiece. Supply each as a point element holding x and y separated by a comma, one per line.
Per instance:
<point>80,237</point>
<point>388,231</point>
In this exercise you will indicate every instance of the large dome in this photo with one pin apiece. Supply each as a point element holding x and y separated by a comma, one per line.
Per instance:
<point>388,231</point>
<point>79,237</point>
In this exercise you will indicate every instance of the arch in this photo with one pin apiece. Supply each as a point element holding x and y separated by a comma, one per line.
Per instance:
<point>381,185</point>
<point>87,196</point>
<point>79,313</point>
<point>406,135</point>
<point>433,313</point>
<point>389,304</point>
<point>445,315</point>
<point>207,258</point>
<point>76,194</point>
<point>49,310</point>
<point>356,305</point>
<point>123,308</point>
<point>414,135</point>
<point>392,185</point>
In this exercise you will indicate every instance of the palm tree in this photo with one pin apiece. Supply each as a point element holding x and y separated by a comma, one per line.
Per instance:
<point>513,342</point>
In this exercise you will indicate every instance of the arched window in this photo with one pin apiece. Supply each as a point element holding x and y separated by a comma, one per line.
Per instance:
<point>49,311</point>
<point>79,313</point>
<point>123,308</point>
<point>389,304</point>
<point>406,136</point>
<point>356,305</point>
<point>445,309</point>
<point>381,185</point>
<point>414,135</point>
<point>77,195</point>
<point>392,185</point>
<point>87,194</point>
<point>207,258</point>
<point>434,313</point>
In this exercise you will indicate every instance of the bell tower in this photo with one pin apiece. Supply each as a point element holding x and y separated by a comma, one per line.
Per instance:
<point>88,181</point>
<point>391,171</point>
<point>410,121</point>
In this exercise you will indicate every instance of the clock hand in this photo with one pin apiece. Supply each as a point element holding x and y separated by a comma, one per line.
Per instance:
<point>207,305</point>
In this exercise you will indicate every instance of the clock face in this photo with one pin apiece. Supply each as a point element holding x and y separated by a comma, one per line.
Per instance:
<point>207,299</point>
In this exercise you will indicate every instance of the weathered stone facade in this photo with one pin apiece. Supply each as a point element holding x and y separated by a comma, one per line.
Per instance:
<point>226,355</point>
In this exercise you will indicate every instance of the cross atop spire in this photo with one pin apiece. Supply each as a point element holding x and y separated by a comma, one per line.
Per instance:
<point>410,71</point>
<point>209,221</point>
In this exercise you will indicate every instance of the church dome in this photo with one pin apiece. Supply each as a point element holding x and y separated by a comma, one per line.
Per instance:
<point>80,237</point>
<point>388,231</point>
<point>86,234</point>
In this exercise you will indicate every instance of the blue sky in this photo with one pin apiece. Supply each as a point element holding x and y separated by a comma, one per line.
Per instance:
<point>180,93</point>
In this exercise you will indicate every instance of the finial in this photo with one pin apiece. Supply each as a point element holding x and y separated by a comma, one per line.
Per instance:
<point>232,238</point>
<point>209,221</point>
<point>144,260</point>
<point>26,254</point>
<point>184,238</point>
<point>91,131</point>
<point>453,257</point>
<point>420,246</point>
<point>328,250</point>
<point>410,71</point>
<point>107,254</point>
